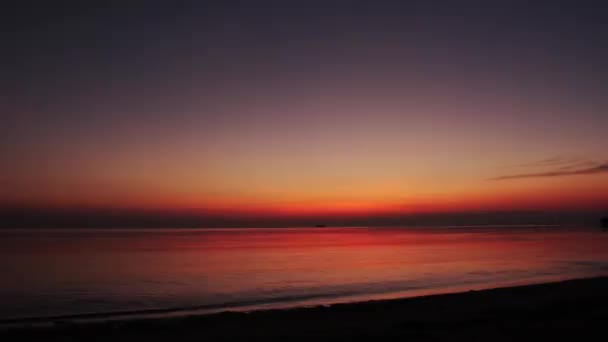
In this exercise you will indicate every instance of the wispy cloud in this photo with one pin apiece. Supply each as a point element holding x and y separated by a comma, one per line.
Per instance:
<point>580,168</point>
<point>579,165</point>
<point>562,161</point>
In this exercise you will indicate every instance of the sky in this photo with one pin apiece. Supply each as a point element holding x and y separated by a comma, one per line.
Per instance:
<point>292,112</point>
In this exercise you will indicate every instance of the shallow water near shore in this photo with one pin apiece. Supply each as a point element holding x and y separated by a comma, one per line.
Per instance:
<point>171,271</point>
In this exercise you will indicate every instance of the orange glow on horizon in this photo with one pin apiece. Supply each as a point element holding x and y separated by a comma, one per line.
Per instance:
<point>531,198</point>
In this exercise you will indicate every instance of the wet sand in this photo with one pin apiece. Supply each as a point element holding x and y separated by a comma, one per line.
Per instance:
<point>575,309</point>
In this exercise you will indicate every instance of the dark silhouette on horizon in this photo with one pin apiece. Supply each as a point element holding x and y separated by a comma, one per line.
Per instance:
<point>604,223</point>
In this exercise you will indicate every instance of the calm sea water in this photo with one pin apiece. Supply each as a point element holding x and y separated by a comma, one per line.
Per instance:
<point>53,272</point>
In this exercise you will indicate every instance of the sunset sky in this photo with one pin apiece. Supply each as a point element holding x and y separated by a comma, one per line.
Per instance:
<point>292,109</point>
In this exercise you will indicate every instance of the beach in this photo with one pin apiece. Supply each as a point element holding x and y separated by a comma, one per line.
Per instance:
<point>562,310</point>
<point>304,171</point>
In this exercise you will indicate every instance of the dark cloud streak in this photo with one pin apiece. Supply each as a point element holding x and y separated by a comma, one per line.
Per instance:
<point>601,168</point>
<point>555,161</point>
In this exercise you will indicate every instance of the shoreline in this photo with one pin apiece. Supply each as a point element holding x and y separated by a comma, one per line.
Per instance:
<point>559,305</point>
<point>261,305</point>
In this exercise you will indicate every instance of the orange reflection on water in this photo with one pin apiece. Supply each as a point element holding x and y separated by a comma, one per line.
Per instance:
<point>112,270</point>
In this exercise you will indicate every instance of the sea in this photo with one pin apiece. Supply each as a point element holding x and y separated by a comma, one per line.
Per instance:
<point>130,273</point>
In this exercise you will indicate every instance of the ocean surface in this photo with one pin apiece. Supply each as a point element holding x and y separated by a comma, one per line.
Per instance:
<point>49,273</point>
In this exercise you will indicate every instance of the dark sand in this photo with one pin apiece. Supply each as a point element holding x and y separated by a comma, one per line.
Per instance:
<point>570,310</point>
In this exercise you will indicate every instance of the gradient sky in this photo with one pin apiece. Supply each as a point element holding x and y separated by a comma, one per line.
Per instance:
<point>298,109</point>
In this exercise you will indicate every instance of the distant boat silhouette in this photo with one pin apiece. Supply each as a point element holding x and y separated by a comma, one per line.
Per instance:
<point>604,223</point>
<point>320,226</point>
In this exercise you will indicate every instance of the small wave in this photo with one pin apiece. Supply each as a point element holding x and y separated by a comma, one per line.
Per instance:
<point>185,309</point>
